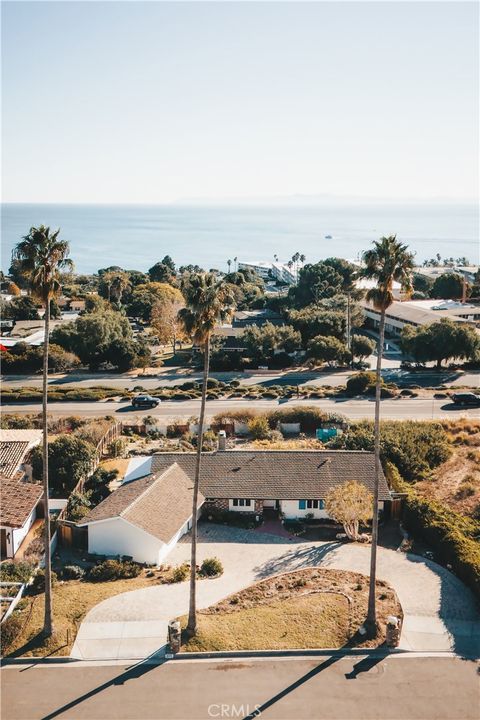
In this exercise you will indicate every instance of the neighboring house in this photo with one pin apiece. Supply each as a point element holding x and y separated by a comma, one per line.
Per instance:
<point>245,318</point>
<point>144,518</point>
<point>151,510</point>
<point>20,499</point>
<point>77,305</point>
<point>21,505</point>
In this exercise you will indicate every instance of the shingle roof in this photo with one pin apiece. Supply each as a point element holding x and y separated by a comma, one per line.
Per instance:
<point>18,499</point>
<point>160,504</point>
<point>11,456</point>
<point>276,474</point>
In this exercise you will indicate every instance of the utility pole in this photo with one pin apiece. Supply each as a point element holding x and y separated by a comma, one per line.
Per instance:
<point>348,328</point>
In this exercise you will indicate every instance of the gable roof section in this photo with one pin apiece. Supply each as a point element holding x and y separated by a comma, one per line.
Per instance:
<point>18,499</point>
<point>276,474</point>
<point>14,447</point>
<point>160,504</point>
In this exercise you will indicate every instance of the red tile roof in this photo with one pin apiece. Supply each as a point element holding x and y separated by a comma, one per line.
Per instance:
<point>18,499</point>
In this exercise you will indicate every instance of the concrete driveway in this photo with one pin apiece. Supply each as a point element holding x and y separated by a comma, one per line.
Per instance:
<point>440,612</point>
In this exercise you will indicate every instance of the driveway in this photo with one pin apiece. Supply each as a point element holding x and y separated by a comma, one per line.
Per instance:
<point>440,612</point>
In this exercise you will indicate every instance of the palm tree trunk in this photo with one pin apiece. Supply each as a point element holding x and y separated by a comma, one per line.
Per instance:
<point>192,612</point>
<point>48,620</point>
<point>371,621</point>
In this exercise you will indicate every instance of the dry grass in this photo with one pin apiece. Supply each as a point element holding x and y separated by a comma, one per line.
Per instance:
<point>311,608</point>
<point>71,602</point>
<point>120,464</point>
<point>456,482</point>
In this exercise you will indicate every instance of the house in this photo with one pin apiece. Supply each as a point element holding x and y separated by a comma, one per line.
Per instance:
<point>151,510</point>
<point>245,318</point>
<point>420,312</point>
<point>144,518</point>
<point>77,305</point>
<point>21,500</point>
<point>21,505</point>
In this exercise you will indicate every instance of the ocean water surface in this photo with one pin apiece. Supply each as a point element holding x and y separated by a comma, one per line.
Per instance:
<point>137,236</point>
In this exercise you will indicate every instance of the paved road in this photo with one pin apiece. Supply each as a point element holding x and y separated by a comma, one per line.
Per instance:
<point>321,688</point>
<point>392,409</point>
<point>170,377</point>
<point>439,611</point>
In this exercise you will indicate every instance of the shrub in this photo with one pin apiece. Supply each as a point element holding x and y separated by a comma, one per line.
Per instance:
<point>465,489</point>
<point>11,629</point>
<point>259,428</point>
<point>358,384</point>
<point>180,573</point>
<point>211,567</point>
<point>16,572</point>
<point>38,583</point>
<point>114,570</point>
<point>72,572</point>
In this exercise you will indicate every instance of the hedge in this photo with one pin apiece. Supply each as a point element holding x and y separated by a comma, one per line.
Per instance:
<point>454,537</point>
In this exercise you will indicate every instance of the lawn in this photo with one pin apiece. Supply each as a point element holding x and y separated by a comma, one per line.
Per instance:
<point>311,608</point>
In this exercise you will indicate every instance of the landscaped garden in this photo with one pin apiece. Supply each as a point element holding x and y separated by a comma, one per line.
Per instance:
<point>311,608</point>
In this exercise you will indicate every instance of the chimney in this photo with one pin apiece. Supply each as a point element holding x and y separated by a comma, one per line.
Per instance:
<point>222,440</point>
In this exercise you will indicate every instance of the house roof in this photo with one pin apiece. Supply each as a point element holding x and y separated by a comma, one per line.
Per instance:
<point>14,447</point>
<point>275,474</point>
<point>411,312</point>
<point>18,499</point>
<point>160,503</point>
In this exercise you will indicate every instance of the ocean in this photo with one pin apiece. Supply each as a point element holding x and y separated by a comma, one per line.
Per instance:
<point>137,236</point>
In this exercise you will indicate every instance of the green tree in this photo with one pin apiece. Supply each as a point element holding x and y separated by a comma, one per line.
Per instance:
<point>69,459</point>
<point>315,281</point>
<point>207,303</point>
<point>41,256</point>
<point>20,308</point>
<point>443,340</point>
<point>362,346</point>
<point>349,504</point>
<point>448,286</point>
<point>114,286</point>
<point>261,342</point>
<point>144,298</point>
<point>389,261</point>
<point>163,271</point>
<point>328,349</point>
<point>314,320</point>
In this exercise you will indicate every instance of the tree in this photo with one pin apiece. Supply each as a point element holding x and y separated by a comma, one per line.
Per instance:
<point>315,281</point>
<point>114,284</point>
<point>349,504</point>
<point>389,261</point>
<point>145,296</point>
<point>328,349</point>
<point>313,320</point>
<point>362,346</point>
<point>41,256</point>
<point>208,303</point>
<point>448,286</point>
<point>163,271</point>
<point>99,337</point>
<point>422,283</point>
<point>443,340</point>
<point>166,322</point>
<point>13,289</point>
<point>69,458</point>
<point>20,308</point>
<point>262,342</point>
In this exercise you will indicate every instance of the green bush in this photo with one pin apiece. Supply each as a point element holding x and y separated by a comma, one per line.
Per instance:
<point>11,629</point>
<point>114,570</point>
<point>357,384</point>
<point>211,567</point>
<point>465,489</point>
<point>16,572</point>
<point>181,573</point>
<point>259,428</point>
<point>309,417</point>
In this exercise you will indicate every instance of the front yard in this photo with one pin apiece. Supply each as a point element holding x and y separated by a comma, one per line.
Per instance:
<point>311,608</point>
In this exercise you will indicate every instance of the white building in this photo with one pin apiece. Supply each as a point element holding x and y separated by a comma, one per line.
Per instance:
<point>421,312</point>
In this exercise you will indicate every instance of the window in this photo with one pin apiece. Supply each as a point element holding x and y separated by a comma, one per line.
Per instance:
<point>240,502</point>
<point>302,504</point>
<point>311,504</point>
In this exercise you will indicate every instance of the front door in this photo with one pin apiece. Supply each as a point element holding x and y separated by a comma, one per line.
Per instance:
<point>3,543</point>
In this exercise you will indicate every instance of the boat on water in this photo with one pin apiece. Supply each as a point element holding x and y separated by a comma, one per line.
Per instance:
<point>328,237</point>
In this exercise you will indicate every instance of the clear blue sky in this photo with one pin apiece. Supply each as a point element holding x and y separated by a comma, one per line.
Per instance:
<point>154,102</point>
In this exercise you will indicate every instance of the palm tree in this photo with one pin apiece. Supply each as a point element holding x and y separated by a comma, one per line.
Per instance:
<point>229,262</point>
<point>208,302</point>
<point>235,260</point>
<point>388,261</point>
<point>41,257</point>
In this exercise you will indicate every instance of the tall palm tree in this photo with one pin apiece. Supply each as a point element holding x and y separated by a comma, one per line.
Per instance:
<point>235,260</point>
<point>208,302</point>
<point>229,262</point>
<point>42,256</point>
<point>387,262</point>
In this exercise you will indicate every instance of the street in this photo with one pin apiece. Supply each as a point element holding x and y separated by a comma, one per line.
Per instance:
<point>399,408</point>
<point>397,687</point>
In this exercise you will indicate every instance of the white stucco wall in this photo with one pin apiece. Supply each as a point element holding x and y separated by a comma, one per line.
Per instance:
<point>291,510</point>
<point>138,467</point>
<point>118,537</point>
<point>18,534</point>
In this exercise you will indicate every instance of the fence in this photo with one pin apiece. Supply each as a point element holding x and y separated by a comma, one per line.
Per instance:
<point>113,433</point>
<point>12,600</point>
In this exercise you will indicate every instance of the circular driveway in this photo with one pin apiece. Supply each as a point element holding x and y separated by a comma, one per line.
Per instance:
<point>440,613</point>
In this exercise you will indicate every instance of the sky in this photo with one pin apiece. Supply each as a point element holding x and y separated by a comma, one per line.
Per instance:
<point>158,102</point>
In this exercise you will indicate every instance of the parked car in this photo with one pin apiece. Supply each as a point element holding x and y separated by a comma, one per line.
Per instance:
<point>466,399</point>
<point>145,401</point>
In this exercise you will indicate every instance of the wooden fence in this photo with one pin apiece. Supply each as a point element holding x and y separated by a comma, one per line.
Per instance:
<point>112,434</point>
